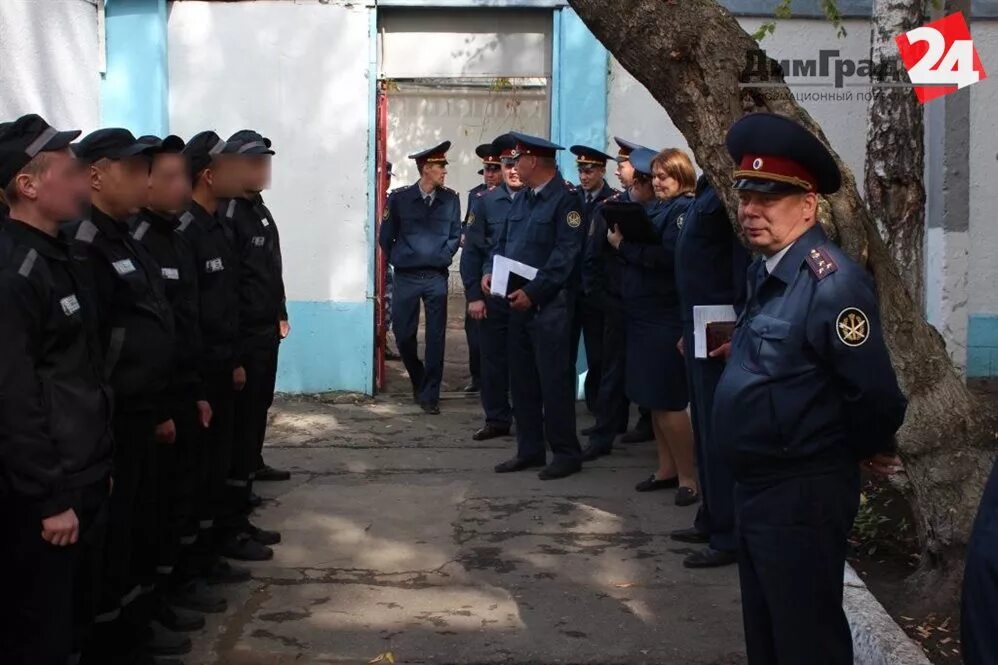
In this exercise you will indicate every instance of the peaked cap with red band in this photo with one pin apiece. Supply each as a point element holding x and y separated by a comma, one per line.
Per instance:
<point>434,155</point>
<point>774,154</point>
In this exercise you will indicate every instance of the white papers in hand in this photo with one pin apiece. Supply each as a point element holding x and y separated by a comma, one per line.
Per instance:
<point>704,314</point>
<point>502,268</point>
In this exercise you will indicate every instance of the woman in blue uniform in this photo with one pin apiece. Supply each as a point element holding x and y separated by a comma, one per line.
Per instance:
<point>656,374</point>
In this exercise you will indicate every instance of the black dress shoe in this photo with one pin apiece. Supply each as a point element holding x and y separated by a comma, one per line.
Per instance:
<point>263,536</point>
<point>194,596</point>
<point>710,558</point>
<point>517,464</point>
<point>472,387</point>
<point>243,548</point>
<point>178,619</point>
<point>687,496</point>
<point>223,572</point>
<point>589,430</point>
<point>638,435</point>
<point>253,501</point>
<point>652,484</point>
<point>591,452</point>
<point>690,535</point>
<point>556,470</point>
<point>430,408</point>
<point>490,432</point>
<point>269,474</point>
<point>161,641</point>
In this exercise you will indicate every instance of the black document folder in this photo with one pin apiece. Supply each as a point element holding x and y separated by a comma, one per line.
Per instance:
<point>632,220</point>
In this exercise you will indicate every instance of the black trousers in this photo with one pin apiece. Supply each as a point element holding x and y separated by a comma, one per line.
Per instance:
<point>543,381</point>
<point>611,400</point>
<point>210,497</point>
<point>587,325</point>
<point>792,553</point>
<point>49,592</point>
<point>716,515</point>
<point>979,604</point>
<point>179,469</point>
<point>249,428</point>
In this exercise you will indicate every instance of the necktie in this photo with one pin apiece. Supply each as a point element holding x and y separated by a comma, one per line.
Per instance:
<point>428,200</point>
<point>589,197</point>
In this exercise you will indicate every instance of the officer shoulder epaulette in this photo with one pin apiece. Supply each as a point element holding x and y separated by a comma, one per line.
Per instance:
<point>821,262</point>
<point>185,221</point>
<point>231,210</point>
<point>570,187</point>
<point>28,264</point>
<point>449,190</point>
<point>613,197</point>
<point>140,230</point>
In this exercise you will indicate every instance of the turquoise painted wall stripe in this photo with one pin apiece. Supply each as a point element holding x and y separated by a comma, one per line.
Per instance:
<point>579,106</point>
<point>135,89</point>
<point>329,348</point>
<point>982,346</point>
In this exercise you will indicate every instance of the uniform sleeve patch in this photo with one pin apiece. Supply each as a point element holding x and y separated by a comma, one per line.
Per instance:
<point>387,213</point>
<point>821,262</point>
<point>574,219</point>
<point>852,326</point>
<point>471,218</point>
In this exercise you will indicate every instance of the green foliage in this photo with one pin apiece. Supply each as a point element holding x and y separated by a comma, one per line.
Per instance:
<point>783,11</point>
<point>869,525</point>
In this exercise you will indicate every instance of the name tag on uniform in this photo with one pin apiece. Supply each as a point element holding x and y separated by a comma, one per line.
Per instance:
<point>258,241</point>
<point>265,222</point>
<point>123,267</point>
<point>214,265</point>
<point>70,305</point>
<point>170,273</point>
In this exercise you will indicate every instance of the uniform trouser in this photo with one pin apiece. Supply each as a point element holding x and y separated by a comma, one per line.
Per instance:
<point>495,364</point>
<point>716,515</point>
<point>979,605</point>
<point>179,469</point>
<point>792,541</point>
<point>270,387</point>
<point>429,288</point>
<point>216,449</point>
<point>129,561</point>
<point>543,381</point>
<point>250,427</point>
<point>587,325</point>
<point>611,400</point>
<point>49,592</point>
<point>473,333</point>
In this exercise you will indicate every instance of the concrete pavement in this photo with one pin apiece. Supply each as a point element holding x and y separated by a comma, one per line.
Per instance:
<point>398,537</point>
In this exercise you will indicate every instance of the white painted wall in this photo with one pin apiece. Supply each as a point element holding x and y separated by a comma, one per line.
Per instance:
<point>633,113</point>
<point>50,61</point>
<point>296,72</point>
<point>983,272</point>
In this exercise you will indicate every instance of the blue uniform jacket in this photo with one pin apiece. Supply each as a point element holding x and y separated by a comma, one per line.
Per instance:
<point>602,265</point>
<point>415,235</point>
<point>710,259</point>
<point>809,386</point>
<point>544,230</point>
<point>478,189</point>
<point>486,220</point>
<point>648,281</point>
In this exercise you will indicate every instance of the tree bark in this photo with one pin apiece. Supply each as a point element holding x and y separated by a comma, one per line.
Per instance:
<point>691,55</point>
<point>895,148</point>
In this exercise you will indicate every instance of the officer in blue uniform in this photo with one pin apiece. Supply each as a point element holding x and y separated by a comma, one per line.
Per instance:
<point>491,172</point>
<point>979,625</point>
<point>543,230</point>
<point>808,392</point>
<point>710,270</point>
<point>588,322</point>
<point>420,234</point>
<point>625,174</point>
<point>486,220</point>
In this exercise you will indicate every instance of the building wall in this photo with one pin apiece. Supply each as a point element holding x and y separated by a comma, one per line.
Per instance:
<point>298,73</point>
<point>50,61</point>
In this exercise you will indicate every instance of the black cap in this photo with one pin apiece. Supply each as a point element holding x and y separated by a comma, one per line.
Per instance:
<point>526,144</point>
<point>586,156</point>
<point>389,169</point>
<point>170,144</point>
<point>488,153</point>
<point>22,139</point>
<point>248,142</point>
<point>625,148</point>
<point>774,154</point>
<point>435,155</point>
<point>110,143</point>
<point>202,149</point>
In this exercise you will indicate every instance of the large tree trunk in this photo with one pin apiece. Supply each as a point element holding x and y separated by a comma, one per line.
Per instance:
<point>895,148</point>
<point>691,55</point>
